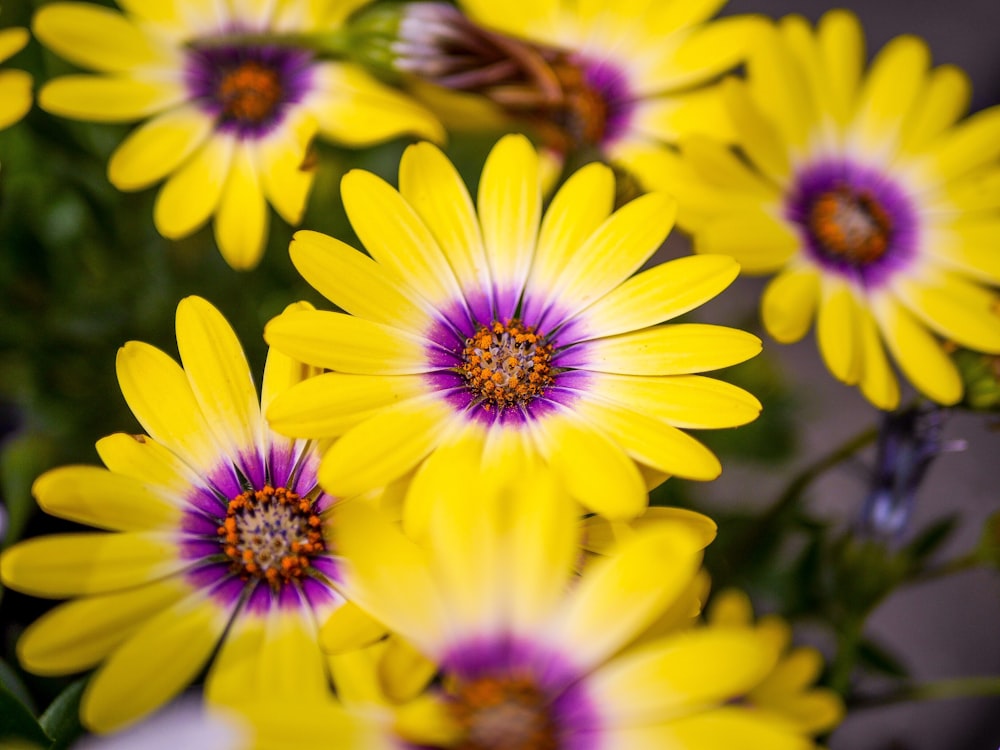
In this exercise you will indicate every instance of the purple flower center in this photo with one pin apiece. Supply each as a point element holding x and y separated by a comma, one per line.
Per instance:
<point>248,88</point>
<point>853,220</point>
<point>601,105</point>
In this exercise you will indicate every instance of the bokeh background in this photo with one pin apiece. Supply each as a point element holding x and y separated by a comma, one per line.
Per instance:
<point>82,271</point>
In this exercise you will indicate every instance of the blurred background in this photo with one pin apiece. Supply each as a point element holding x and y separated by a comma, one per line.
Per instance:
<point>82,271</point>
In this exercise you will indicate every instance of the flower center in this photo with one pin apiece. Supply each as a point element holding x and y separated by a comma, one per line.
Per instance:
<point>503,714</point>
<point>507,365</point>
<point>270,534</point>
<point>249,93</point>
<point>850,225</point>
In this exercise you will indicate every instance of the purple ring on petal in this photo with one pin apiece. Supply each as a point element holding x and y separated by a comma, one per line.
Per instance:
<point>248,89</point>
<point>538,686</point>
<point>609,85</point>
<point>839,201</point>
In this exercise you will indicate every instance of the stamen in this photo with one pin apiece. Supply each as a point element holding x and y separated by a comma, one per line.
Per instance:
<point>249,93</point>
<point>505,713</point>
<point>850,225</point>
<point>507,365</point>
<point>270,534</point>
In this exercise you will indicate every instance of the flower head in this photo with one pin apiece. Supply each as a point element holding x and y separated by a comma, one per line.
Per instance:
<point>873,205</point>
<point>530,654</point>
<point>501,333</point>
<point>15,85</point>
<point>214,530</point>
<point>584,74</point>
<point>232,100</point>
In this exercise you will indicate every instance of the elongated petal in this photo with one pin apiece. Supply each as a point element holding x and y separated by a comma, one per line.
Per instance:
<point>64,565</point>
<point>760,243</point>
<point>330,404</point>
<point>842,46</point>
<point>154,665</point>
<point>961,311</point>
<point>157,148</point>
<point>878,381</point>
<point>354,282</point>
<point>745,728</point>
<point>281,163</point>
<point>242,218</point>
<point>678,674</point>
<point>15,96</point>
<point>102,99</point>
<point>837,333</point>
<point>191,194</point>
<point>94,496</point>
<point>659,294</point>
<point>147,461</point>
<point>973,143</point>
<point>673,349</point>
<point>342,342</point>
<point>918,353</point>
<point>510,208</point>
<point>621,594</point>
<point>159,394</point>
<point>789,304</point>
<point>594,467</point>
<point>348,629</point>
<point>94,37</point>
<point>384,447</point>
<point>943,101</point>
<point>79,634</point>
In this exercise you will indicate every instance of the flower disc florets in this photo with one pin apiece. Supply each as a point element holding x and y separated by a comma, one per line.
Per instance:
<point>505,713</point>
<point>850,225</point>
<point>271,534</point>
<point>507,364</point>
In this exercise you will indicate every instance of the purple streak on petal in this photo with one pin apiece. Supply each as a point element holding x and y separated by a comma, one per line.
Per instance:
<point>288,598</point>
<point>507,303</point>
<point>320,596</point>
<point>610,83</point>
<point>205,501</point>
<point>829,175</point>
<point>260,600</point>
<point>280,461</point>
<point>252,464</point>
<point>574,356</point>
<point>228,592</point>
<point>328,566</point>
<point>196,524</point>
<point>199,549</point>
<point>225,481</point>
<point>324,502</point>
<point>207,66</point>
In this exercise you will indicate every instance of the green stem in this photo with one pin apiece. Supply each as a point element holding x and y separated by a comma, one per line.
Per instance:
<point>797,487</point>
<point>960,687</point>
<point>848,640</point>
<point>334,43</point>
<point>956,565</point>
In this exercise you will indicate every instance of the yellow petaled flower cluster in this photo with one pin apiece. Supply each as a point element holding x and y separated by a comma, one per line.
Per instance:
<point>429,527</point>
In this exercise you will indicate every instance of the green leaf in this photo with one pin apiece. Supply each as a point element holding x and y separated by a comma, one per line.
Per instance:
<point>21,460</point>
<point>878,659</point>
<point>11,680</point>
<point>17,723</point>
<point>61,720</point>
<point>930,540</point>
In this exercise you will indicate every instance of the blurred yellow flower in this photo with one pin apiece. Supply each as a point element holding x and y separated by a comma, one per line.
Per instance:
<point>15,85</point>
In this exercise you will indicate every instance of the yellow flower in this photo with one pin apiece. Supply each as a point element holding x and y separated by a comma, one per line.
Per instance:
<point>218,532</point>
<point>231,114</point>
<point>497,334</point>
<point>586,73</point>
<point>15,85</point>
<point>529,654</point>
<point>786,693</point>
<point>876,208</point>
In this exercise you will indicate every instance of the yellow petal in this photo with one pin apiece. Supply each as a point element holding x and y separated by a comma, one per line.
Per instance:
<point>671,117</point>
<point>918,353</point>
<point>789,304</point>
<point>672,349</point>
<point>621,594</point>
<point>145,460</point>
<point>79,634</point>
<point>190,196</point>
<point>104,99</point>
<point>659,294</point>
<point>67,565</point>
<point>878,381</point>
<point>394,235</point>
<point>15,96</point>
<point>943,101</point>
<point>12,41</point>
<point>759,134</point>
<point>721,727</point>
<point>98,38</point>
<point>242,218</point>
<point>510,208</point>
<point>220,377</point>
<point>385,447</point>
<point>157,148</point>
<point>973,143</point>
<point>964,312</point>
<point>154,665</point>
<point>354,282</point>
<point>779,87</point>
<point>759,242</point>
<point>837,332</point>
<point>342,342</point>
<point>94,496</point>
<point>730,608</point>
<point>842,46</point>
<point>349,628</point>
<point>281,158</point>
<point>968,245</point>
<point>596,470</point>
<point>679,674</point>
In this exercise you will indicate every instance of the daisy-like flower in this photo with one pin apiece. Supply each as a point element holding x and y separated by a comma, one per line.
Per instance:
<point>494,335</point>
<point>874,206</point>
<point>530,655</point>
<point>588,74</point>
<point>787,693</point>
<point>232,104</point>
<point>217,526</point>
<point>15,85</point>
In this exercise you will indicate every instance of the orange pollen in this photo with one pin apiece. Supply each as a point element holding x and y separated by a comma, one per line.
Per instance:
<point>507,364</point>
<point>506,713</point>
<point>270,534</point>
<point>249,93</point>
<point>850,226</point>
